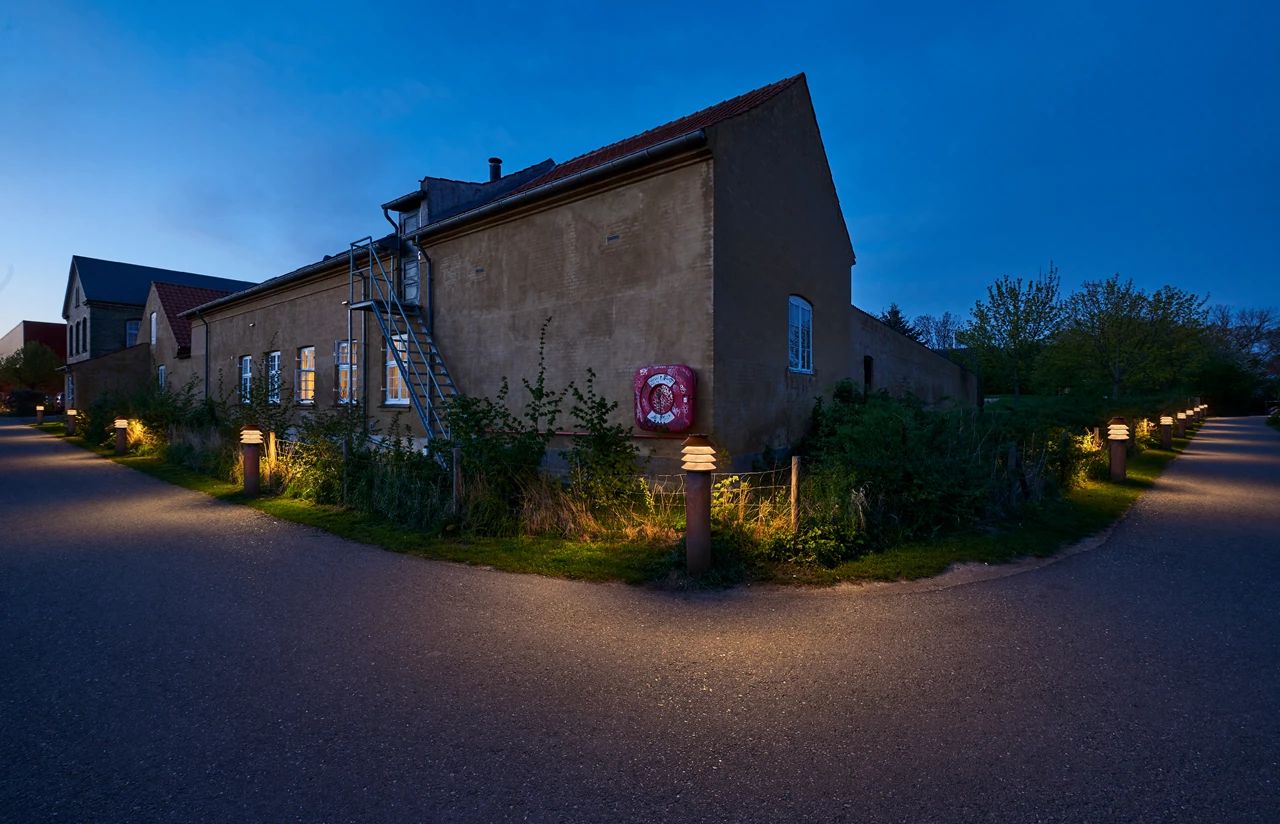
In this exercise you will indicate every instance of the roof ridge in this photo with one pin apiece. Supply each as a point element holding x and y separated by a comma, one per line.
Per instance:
<point>771,88</point>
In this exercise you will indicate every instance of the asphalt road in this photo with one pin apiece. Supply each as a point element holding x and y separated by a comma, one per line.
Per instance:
<point>164,657</point>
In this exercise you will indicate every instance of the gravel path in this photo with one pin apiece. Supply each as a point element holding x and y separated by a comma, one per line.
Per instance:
<point>165,657</point>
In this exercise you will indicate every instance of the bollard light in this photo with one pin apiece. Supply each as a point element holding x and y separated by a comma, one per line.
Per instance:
<point>39,413</point>
<point>1118,436</point>
<point>251,443</point>
<point>1180,424</point>
<point>71,421</point>
<point>122,435</point>
<point>699,461</point>
<point>1166,431</point>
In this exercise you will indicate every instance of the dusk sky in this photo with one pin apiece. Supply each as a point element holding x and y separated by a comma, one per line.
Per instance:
<point>242,141</point>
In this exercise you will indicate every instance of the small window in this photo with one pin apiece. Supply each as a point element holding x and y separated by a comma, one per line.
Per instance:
<point>346,363</point>
<point>153,328</point>
<point>273,377</point>
<point>160,375</point>
<point>397,389</point>
<point>408,222</point>
<point>306,380</point>
<point>246,378</point>
<point>800,335</point>
<point>131,332</point>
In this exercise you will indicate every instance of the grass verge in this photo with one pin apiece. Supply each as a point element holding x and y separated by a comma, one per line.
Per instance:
<point>1040,532</point>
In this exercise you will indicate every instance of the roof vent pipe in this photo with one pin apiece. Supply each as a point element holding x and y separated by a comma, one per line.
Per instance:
<point>495,168</point>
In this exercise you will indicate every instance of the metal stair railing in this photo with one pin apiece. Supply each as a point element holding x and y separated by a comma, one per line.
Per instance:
<point>379,293</point>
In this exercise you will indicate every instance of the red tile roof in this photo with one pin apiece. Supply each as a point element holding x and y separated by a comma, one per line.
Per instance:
<point>676,128</point>
<point>176,299</point>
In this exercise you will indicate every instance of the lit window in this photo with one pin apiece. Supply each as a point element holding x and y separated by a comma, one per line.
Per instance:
<point>246,378</point>
<point>273,377</point>
<point>306,382</point>
<point>131,332</point>
<point>397,390</point>
<point>799,335</point>
<point>345,358</point>
<point>153,328</point>
<point>160,375</point>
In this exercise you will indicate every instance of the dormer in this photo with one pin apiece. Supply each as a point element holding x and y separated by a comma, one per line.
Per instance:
<point>439,198</point>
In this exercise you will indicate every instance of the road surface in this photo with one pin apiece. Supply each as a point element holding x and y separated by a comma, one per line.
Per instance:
<point>166,657</point>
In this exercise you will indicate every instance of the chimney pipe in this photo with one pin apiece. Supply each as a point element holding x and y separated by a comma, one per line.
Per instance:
<point>495,168</point>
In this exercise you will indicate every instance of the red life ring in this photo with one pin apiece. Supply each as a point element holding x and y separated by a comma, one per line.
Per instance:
<point>664,398</point>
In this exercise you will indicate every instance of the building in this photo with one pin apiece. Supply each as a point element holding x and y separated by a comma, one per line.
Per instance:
<point>52,335</point>
<point>106,307</point>
<point>715,242</point>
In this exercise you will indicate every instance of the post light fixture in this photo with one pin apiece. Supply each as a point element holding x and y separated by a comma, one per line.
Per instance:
<point>1166,431</point>
<point>71,421</point>
<point>699,461</point>
<point>251,444</point>
<point>122,435</point>
<point>1180,424</point>
<point>1118,437</point>
<point>39,413</point>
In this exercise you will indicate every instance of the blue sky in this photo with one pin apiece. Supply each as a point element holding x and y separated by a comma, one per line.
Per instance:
<point>240,141</point>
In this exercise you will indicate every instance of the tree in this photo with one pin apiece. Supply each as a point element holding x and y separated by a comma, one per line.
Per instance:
<point>1009,329</point>
<point>34,366</point>
<point>1117,335</point>
<point>937,333</point>
<point>897,321</point>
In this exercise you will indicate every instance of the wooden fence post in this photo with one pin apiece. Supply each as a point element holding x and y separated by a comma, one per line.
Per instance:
<point>795,492</point>
<point>457,480</point>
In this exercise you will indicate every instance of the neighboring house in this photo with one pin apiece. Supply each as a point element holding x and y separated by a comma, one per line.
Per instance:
<point>52,335</point>
<point>167,330</point>
<point>715,241</point>
<point>104,309</point>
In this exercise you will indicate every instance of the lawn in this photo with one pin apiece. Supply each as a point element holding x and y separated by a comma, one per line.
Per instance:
<point>1040,532</point>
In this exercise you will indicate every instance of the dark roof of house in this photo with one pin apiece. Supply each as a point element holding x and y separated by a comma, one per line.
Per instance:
<point>110,281</point>
<point>341,257</point>
<point>177,298</point>
<point>709,116</point>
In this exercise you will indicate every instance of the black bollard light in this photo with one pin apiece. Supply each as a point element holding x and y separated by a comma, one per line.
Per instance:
<point>251,442</point>
<point>1166,431</point>
<point>39,413</point>
<point>1180,424</point>
<point>122,435</point>
<point>1118,437</point>
<point>699,462</point>
<point>71,421</point>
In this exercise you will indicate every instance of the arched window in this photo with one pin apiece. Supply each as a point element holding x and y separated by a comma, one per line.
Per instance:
<point>153,328</point>
<point>799,334</point>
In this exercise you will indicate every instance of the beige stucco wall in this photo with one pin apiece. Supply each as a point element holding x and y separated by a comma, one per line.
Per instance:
<point>779,232</point>
<point>615,305</point>
<point>307,312</point>
<point>122,372</point>
<point>901,366</point>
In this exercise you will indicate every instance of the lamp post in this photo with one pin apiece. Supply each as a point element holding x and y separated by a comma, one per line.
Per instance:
<point>699,462</point>
<point>1166,431</point>
<point>251,442</point>
<point>122,435</point>
<point>1118,436</point>
<point>1181,424</point>
<point>71,421</point>
<point>1191,417</point>
<point>39,413</point>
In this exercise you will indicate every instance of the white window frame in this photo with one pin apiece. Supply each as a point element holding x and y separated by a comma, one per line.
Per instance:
<point>305,381</point>
<point>153,328</point>
<point>160,375</point>
<point>246,378</point>
<point>799,335</point>
<point>346,382</point>
<point>396,389</point>
<point>273,377</point>
<point>131,329</point>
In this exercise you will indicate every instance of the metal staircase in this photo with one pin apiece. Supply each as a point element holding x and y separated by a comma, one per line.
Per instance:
<point>422,368</point>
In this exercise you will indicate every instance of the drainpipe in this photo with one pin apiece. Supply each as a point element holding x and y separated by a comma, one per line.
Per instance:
<point>205,324</point>
<point>431,294</point>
